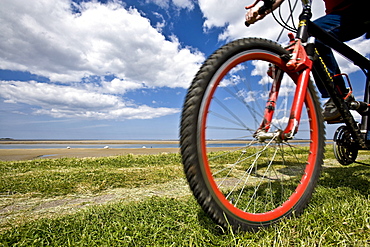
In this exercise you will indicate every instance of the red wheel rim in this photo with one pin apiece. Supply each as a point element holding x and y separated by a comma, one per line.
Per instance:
<point>296,196</point>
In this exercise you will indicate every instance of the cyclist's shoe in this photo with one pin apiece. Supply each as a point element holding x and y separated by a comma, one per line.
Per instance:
<point>331,113</point>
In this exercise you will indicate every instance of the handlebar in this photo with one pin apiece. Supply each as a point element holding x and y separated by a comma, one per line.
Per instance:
<point>262,10</point>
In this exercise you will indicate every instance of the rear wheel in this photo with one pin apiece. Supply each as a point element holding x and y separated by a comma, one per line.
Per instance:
<point>237,179</point>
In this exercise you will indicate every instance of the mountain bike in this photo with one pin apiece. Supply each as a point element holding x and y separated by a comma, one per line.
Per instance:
<point>255,99</point>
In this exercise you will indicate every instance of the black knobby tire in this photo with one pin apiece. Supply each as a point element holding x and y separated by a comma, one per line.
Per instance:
<point>239,181</point>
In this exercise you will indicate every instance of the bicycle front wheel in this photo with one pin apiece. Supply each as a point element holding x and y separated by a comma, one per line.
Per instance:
<point>237,179</point>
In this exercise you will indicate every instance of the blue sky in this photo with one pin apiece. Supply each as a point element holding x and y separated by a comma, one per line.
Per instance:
<point>113,69</point>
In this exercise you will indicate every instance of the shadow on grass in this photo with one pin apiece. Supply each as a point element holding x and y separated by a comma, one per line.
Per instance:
<point>356,177</point>
<point>207,223</point>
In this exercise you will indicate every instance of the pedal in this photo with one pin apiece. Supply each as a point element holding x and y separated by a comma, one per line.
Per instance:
<point>361,107</point>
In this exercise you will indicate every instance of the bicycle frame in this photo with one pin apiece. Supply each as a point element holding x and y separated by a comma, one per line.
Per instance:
<point>359,133</point>
<point>265,178</point>
<point>299,61</point>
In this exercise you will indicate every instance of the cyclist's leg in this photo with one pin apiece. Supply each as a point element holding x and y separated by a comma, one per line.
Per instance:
<point>344,28</point>
<point>331,24</point>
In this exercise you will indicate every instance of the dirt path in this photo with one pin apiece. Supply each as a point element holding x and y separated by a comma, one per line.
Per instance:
<point>15,210</point>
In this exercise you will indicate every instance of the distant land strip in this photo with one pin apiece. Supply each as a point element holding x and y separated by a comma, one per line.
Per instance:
<point>94,142</point>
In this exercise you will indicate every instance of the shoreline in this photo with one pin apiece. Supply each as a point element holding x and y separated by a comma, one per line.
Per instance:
<point>55,153</point>
<point>94,142</point>
<point>87,142</point>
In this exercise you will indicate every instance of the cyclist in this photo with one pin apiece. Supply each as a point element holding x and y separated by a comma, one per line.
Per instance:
<point>344,19</point>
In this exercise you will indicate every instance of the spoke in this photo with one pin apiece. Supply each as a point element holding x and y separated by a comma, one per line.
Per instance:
<point>228,128</point>
<point>231,113</point>
<point>251,111</point>
<point>239,160</point>
<point>232,166</point>
<point>248,172</point>
<point>293,153</point>
<point>227,119</point>
<point>232,151</point>
<point>248,86</point>
<point>261,179</point>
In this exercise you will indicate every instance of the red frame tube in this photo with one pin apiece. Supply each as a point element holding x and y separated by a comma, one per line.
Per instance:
<point>301,64</point>
<point>296,110</point>
<point>273,96</point>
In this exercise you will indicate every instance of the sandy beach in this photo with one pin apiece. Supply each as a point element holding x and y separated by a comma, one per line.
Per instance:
<point>30,154</point>
<point>47,153</point>
<point>86,142</point>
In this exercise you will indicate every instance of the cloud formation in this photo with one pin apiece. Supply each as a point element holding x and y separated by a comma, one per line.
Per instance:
<point>48,39</point>
<point>181,4</point>
<point>229,14</point>
<point>61,101</point>
<point>70,43</point>
<point>78,46</point>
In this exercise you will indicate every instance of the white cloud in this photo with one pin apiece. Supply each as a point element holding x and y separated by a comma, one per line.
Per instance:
<point>161,3</point>
<point>160,25</point>
<point>230,14</point>
<point>79,48</point>
<point>63,101</point>
<point>46,38</point>
<point>186,4</point>
<point>181,4</point>
<point>219,13</point>
<point>362,46</point>
<point>117,86</point>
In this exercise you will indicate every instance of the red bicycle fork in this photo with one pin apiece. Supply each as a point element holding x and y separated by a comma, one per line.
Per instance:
<point>299,67</point>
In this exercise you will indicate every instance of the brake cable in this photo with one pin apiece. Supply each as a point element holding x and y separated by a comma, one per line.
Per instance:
<point>285,24</point>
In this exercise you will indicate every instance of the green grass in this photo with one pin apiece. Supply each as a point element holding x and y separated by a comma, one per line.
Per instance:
<point>338,214</point>
<point>55,177</point>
